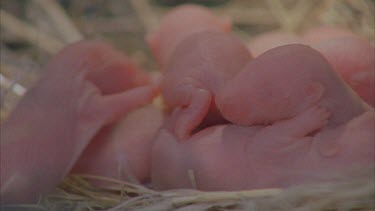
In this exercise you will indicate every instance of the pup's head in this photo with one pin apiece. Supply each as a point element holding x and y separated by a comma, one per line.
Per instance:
<point>276,85</point>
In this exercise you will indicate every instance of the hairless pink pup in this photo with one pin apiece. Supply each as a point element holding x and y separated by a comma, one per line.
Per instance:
<point>82,90</point>
<point>315,128</point>
<point>123,151</point>
<point>265,41</point>
<point>197,57</point>
<point>351,56</point>
<point>180,23</point>
<point>319,33</point>
<point>199,67</point>
<point>283,82</point>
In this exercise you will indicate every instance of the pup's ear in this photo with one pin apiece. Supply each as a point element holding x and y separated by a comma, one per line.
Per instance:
<point>314,92</point>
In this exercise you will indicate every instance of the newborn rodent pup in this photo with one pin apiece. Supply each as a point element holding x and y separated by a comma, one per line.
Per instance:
<point>351,55</point>
<point>86,86</point>
<point>199,67</point>
<point>197,55</point>
<point>281,83</point>
<point>235,122</point>
<point>295,131</point>
<point>180,23</point>
<point>353,58</point>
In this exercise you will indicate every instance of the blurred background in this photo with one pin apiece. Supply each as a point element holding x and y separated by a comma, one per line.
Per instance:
<point>34,30</point>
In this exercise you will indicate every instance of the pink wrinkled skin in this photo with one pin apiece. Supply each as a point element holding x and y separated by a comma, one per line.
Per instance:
<point>295,131</point>
<point>265,41</point>
<point>262,92</point>
<point>197,56</point>
<point>123,151</point>
<point>354,58</point>
<point>233,122</point>
<point>319,33</point>
<point>180,23</point>
<point>86,86</point>
<point>200,66</point>
<point>351,56</point>
<point>230,157</point>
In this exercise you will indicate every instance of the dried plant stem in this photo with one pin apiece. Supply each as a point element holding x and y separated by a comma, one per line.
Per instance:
<point>300,10</point>
<point>9,84</point>
<point>61,21</point>
<point>124,185</point>
<point>29,33</point>
<point>200,197</point>
<point>191,176</point>
<point>280,14</point>
<point>258,16</point>
<point>145,14</point>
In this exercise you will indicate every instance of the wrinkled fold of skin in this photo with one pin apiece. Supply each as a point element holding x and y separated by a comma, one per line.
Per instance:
<point>86,86</point>
<point>180,23</point>
<point>230,157</point>
<point>309,135</point>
